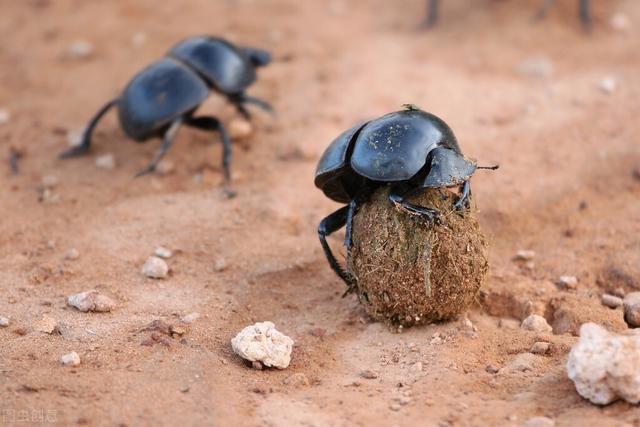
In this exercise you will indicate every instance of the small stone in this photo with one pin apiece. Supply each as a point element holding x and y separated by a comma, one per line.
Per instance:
<point>608,84</point>
<point>256,365</point>
<point>163,252</point>
<point>138,39</point>
<point>155,268</point>
<point>523,362</point>
<point>79,49</point>
<point>631,304</point>
<point>4,116</point>
<point>568,282</point>
<point>620,22</point>
<point>619,292</point>
<point>492,369</point>
<point>297,380</point>
<point>536,66</point>
<point>611,301</point>
<point>47,325</point>
<point>604,366</point>
<point>240,129</point>
<point>4,321</point>
<point>106,161</point>
<point>72,254</point>
<point>91,301</point>
<point>70,359</point>
<point>49,181</point>
<point>368,374</point>
<point>395,406</point>
<point>190,318</point>
<point>525,255</point>
<point>262,342</point>
<point>536,323</point>
<point>436,339</point>
<point>539,422</point>
<point>540,347</point>
<point>165,167</point>
<point>417,367</point>
<point>220,265</point>
<point>74,137</point>
<point>404,400</point>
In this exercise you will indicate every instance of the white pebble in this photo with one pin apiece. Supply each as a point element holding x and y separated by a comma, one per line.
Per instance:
<point>4,116</point>
<point>536,66</point>
<point>79,49</point>
<point>611,301</point>
<point>539,422</point>
<point>72,254</point>
<point>155,268</point>
<point>4,321</point>
<point>220,265</point>
<point>138,39</point>
<point>240,129</point>
<point>106,161</point>
<point>569,282</point>
<point>631,304</point>
<point>261,342</point>
<point>540,347</point>
<point>536,323</point>
<point>604,366</point>
<point>49,181</point>
<point>74,137</point>
<point>165,167</point>
<point>417,367</point>
<point>71,359</point>
<point>525,255</point>
<point>608,84</point>
<point>46,324</point>
<point>620,22</point>
<point>91,301</point>
<point>191,317</point>
<point>163,252</point>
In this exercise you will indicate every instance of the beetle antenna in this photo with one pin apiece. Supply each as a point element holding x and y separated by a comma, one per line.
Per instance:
<point>488,167</point>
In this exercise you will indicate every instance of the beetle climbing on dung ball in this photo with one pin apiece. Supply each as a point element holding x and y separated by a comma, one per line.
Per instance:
<point>167,93</point>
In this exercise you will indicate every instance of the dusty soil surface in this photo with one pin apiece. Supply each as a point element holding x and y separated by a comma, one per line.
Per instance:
<point>566,189</point>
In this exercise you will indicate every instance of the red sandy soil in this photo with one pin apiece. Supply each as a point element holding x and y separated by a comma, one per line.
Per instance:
<point>566,189</point>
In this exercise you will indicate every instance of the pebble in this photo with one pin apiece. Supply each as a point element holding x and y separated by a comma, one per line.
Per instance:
<point>608,84</point>
<point>46,324</point>
<point>262,342</point>
<point>4,116</point>
<point>492,369</point>
<point>525,255</point>
<point>190,318</point>
<point>297,380</point>
<point>417,367</point>
<point>70,359</point>
<point>106,161</point>
<point>568,282</point>
<point>540,347</point>
<point>79,49</point>
<point>165,167</point>
<point>72,254</point>
<point>240,129</point>
<point>604,366</point>
<point>74,137</point>
<point>163,252</point>
<point>539,422</point>
<point>536,323</point>
<point>611,301</point>
<point>49,181</point>
<point>4,321</point>
<point>368,374</point>
<point>523,362</point>
<point>155,268</point>
<point>631,304</point>
<point>138,39</point>
<point>91,301</point>
<point>220,265</point>
<point>536,66</point>
<point>620,22</point>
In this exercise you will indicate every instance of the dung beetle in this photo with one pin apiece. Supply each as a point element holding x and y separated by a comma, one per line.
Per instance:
<point>584,10</point>
<point>165,95</point>
<point>408,150</point>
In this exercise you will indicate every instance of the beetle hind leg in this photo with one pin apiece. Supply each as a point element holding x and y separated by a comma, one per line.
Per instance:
<point>85,143</point>
<point>167,142</point>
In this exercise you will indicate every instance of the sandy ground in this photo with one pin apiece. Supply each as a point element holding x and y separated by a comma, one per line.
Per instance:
<point>566,189</point>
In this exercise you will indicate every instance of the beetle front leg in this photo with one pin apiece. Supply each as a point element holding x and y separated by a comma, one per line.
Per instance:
<point>396,196</point>
<point>465,196</point>
<point>328,225</point>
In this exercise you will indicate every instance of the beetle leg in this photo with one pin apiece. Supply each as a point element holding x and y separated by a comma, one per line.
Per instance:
<point>83,147</point>
<point>167,141</point>
<point>585,14</point>
<point>397,198</point>
<point>211,123</point>
<point>263,105</point>
<point>328,225</point>
<point>544,9</point>
<point>432,14</point>
<point>465,196</point>
<point>354,204</point>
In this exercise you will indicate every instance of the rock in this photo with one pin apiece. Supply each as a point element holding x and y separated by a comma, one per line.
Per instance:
<point>4,321</point>
<point>163,252</point>
<point>620,22</point>
<point>604,366</point>
<point>79,49</point>
<point>74,137</point>
<point>165,167</point>
<point>525,255</point>
<point>220,265</point>
<point>297,380</point>
<point>368,374</point>
<point>155,268</point>
<point>492,369</point>
<point>631,304</point>
<point>49,181</point>
<point>46,324</point>
<point>256,365</point>
<point>539,422</point>
<point>535,323</point>
<point>91,301</point>
<point>262,342</point>
<point>608,84</point>
<point>611,301</point>
<point>70,359</point>
<point>536,66</point>
<point>106,161</point>
<point>240,129</point>
<point>523,362</point>
<point>4,116</point>
<point>72,254</point>
<point>190,318</point>
<point>568,282</point>
<point>540,347</point>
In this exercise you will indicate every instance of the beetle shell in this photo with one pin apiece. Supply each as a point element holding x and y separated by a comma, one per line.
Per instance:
<point>157,95</point>
<point>226,68</point>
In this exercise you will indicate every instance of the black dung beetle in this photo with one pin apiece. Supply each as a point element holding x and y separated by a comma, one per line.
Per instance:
<point>408,150</point>
<point>166,94</point>
<point>584,10</point>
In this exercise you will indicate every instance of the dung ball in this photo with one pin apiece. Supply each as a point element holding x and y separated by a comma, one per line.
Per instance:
<point>409,271</point>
